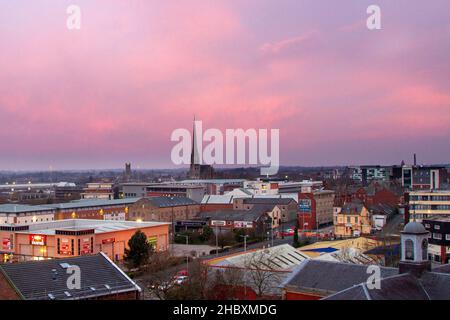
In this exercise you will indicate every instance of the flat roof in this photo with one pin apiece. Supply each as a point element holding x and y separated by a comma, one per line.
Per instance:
<point>217,181</point>
<point>92,203</point>
<point>100,226</point>
<point>21,208</point>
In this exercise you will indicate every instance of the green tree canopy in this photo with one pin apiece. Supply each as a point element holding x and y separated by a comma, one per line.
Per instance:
<point>139,250</point>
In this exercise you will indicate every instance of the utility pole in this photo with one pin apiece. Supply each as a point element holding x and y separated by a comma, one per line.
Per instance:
<point>245,270</point>
<point>245,242</point>
<point>217,242</point>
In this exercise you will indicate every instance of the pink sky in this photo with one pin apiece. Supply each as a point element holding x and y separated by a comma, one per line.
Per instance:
<point>115,90</point>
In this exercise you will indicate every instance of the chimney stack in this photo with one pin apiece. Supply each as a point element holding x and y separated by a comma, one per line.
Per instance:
<point>415,160</point>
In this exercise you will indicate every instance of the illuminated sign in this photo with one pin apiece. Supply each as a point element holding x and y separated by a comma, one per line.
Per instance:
<point>243,224</point>
<point>38,240</point>
<point>153,241</point>
<point>304,205</point>
<point>85,246</point>
<point>109,240</point>
<point>6,244</point>
<point>218,223</point>
<point>64,248</point>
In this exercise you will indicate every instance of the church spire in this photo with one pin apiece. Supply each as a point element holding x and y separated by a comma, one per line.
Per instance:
<point>194,152</point>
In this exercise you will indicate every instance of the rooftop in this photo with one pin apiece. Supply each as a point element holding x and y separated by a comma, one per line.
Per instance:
<point>21,208</point>
<point>326,277</point>
<point>282,258</point>
<point>430,286</point>
<point>83,203</point>
<point>165,202</point>
<point>100,226</point>
<point>92,203</point>
<point>47,279</point>
<point>239,215</point>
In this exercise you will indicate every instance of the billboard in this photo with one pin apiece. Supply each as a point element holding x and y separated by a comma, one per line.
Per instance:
<point>218,223</point>
<point>243,224</point>
<point>304,205</point>
<point>85,246</point>
<point>6,244</point>
<point>38,240</point>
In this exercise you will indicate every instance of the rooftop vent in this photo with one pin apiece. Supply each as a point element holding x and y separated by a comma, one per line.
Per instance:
<point>64,265</point>
<point>107,286</point>
<point>52,297</point>
<point>67,293</point>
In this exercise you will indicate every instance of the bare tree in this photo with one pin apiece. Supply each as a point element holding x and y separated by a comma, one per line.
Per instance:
<point>263,272</point>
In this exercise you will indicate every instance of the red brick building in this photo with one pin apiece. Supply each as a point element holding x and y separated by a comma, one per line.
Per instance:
<point>315,209</point>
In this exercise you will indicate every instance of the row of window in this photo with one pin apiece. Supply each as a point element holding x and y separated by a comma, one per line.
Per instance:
<point>431,198</point>
<point>430,207</point>
<point>438,236</point>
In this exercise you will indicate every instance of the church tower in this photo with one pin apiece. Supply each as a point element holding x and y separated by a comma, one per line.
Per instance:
<point>414,249</point>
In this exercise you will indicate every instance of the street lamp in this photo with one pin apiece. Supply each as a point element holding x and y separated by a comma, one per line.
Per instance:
<point>245,241</point>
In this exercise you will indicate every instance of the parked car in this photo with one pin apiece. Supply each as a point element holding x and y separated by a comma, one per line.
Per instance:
<point>180,280</point>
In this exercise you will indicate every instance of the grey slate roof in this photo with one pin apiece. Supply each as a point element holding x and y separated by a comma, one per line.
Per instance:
<point>92,203</point>
<point>354,207</point>
<point>165,202</point>
<point>21,208</point>
<point>279,201</point>
<point>342,281</point>
<point>444,268</point>
<point>239,215</point>
<point>99,276</point>
<point>328,277</point>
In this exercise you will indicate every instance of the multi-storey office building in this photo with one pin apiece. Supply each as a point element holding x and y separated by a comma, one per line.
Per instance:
<point>439,239</point>
<point>427,204</point>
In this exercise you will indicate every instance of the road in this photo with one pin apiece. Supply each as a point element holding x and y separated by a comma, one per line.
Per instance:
<point>392,227</point>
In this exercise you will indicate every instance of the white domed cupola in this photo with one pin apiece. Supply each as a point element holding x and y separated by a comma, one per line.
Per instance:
<point>414,249</point>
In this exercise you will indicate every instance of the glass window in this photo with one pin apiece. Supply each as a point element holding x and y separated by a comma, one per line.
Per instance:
<point>437,236</point>
<point>409,250</point>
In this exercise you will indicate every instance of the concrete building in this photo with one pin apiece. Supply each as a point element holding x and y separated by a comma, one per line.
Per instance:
<point>67,192</point>
<point>261,187</point>
<point>426,204</point>
<point>19,213</point>
<point>439,239</point>
<point>80,209</point>
<point>192,192</point>
<point>104,191</point>
<point>215,186</point>
<point>76,237</point>
<point>423,177</point>
<point>305,186</point>
<point>367,174</point>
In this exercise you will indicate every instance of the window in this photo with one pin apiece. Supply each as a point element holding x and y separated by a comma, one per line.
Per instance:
<point>409,250</point>
<point>437,236</point>
<point>447,236</point>
<point>437,227</point>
